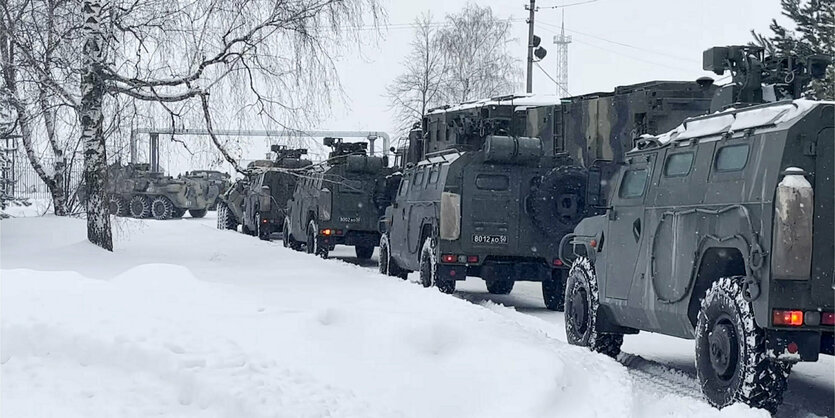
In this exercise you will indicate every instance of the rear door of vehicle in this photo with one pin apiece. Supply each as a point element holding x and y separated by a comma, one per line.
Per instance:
<point>398,230</point>
<point>823,256</point>
<point>490,208</point>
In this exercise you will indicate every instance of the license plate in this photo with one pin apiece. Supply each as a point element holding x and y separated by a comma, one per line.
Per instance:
<point>349,220</point>
<point>490,239</point>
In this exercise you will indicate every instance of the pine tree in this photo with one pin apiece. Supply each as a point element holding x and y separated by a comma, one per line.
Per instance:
<point>814,33</point>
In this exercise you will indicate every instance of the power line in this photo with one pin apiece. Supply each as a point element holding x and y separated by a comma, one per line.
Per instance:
<point>560,86</point>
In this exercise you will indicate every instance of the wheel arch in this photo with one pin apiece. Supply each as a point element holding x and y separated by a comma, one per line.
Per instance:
<point>713,264</point>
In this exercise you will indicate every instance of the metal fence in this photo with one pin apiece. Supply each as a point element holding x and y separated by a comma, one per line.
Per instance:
<point>25,182</point>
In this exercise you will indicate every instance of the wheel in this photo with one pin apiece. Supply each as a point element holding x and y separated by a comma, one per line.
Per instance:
<point>245,229</point>
<point>287,239</point>
<point>162,208</point>
<point>553,291</point>
<point>140,207</point>
<point>197,213</point>
<point>178,212</point>
<point>500,287</point>
<point>118,206</point>
<point>731,362</point>
<point>261,230</point>
<point>581,311</point>
<point>364,252</point>
<point>429,269</point>
<point>313,246</point>
<point>387,264</point>
<point>225,220</point>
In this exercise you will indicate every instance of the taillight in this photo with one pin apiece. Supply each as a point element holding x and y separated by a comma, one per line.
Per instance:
<point>557,262</point>
<point>327,232</point>
<point>787,318</point>
<point>472,259</point>
<point>449,258</point>
<point>339,232</point>
<point>828,318</point>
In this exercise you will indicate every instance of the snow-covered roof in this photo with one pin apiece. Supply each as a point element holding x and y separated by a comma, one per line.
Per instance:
<point>735,120</point>
<point>529,100</point>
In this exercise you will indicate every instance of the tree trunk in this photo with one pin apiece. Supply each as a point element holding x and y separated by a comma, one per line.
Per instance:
<point>95,156</point>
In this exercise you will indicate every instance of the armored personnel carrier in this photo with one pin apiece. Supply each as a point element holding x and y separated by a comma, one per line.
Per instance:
<point>137,191</point>
<point>720,231</point>
<point>339,202</point>
<point>257,202</point>
<point>491,187</point>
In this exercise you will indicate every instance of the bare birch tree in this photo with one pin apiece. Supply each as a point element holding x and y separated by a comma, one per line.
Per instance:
<point>418,88</point>
<point>476,45</point>
<point>467,57</point>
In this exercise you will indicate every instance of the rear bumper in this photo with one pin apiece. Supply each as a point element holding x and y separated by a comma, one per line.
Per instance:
<point>523,270</point>
<point>353,238</point>
<point>807,345</point>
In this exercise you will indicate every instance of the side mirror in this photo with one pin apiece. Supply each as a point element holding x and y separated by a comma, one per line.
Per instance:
<point>265,199</point>
<point>594,188</point>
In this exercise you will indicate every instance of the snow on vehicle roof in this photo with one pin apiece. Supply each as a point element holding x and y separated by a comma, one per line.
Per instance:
<point>448,157</point>
<point>531,100</point>
<point>734,120</point>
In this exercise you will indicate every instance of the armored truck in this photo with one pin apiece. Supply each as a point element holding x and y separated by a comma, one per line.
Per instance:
<point>257,202</point>
<point>490,187</point>
<point>339,201</point>
<point>719,231</point>
<point>135,190</point>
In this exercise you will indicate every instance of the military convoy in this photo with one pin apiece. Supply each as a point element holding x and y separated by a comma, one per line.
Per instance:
<point>257,201</point>
<point>490,187</point>
<point>339,201</point>
<point>136,190</point>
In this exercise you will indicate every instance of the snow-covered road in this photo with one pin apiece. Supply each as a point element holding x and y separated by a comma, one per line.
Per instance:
<point>186,320</point>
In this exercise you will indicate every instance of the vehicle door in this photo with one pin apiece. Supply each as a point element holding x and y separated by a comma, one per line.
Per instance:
<point>626,230</point>
<point>420,208</point>
<point>399,228</point>
<point>252,201</point>
<point>296,212</point>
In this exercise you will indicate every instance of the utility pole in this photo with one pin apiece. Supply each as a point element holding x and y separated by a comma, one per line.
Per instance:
<point>562,40</point>
<point>532,9</point>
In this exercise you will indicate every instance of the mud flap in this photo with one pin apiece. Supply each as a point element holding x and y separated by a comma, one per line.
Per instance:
<point>808,345</point>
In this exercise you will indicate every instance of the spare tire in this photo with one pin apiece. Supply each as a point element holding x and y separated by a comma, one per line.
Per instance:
<point>557,202</point>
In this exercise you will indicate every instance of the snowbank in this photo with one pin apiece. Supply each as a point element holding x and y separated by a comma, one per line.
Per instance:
<point>185,320</point>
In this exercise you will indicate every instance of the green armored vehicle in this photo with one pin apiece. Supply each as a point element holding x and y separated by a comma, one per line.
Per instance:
<point>256,202</point>
<point>721,231</point>
<point>491,187</point>
<point>137,191</point>
<point>339,202</point>
<point>216,179</point>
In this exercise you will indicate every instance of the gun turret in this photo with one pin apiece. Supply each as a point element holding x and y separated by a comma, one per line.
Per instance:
<point>758,78</point>
<point>345,148</point>
<point>282,152</point>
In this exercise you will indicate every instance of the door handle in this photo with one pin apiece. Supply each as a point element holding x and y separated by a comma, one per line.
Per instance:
<point>636,229</point>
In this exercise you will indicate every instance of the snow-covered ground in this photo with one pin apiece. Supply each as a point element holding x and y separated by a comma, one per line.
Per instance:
<point>186,320</point>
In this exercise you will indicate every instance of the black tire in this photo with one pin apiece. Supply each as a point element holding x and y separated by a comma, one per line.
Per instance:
<point>364,252</point>
<point>162,208</point>
<point>387,264</point>
<point>429,269</point>
<point>178,213</point>
<point>582,312</point>
<point>731,361</point>
<point>140,207</point>
<point>287,239</point>
<point>313,244</point>
<point>224,218</point>
<point>500,287</point>
<point>118,206</point>
<point>197,213</point>
<point>553,291</point>
<point>557,204</point>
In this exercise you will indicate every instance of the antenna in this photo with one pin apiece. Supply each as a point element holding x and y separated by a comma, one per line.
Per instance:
<point>562,40</point>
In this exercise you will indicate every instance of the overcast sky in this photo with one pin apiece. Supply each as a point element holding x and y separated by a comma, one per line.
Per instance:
<point>615,42</point>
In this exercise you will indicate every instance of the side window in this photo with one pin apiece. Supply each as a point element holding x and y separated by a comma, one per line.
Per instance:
<point>495,182</point>
<point>435,174</point>
<point>732,158</point>
<point>404,185</point>
<point>678,165</point>
<point>418,179</point>
<point>634,183</point>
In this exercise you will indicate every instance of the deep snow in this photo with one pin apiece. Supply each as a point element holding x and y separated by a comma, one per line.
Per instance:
<point>186,320</point>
